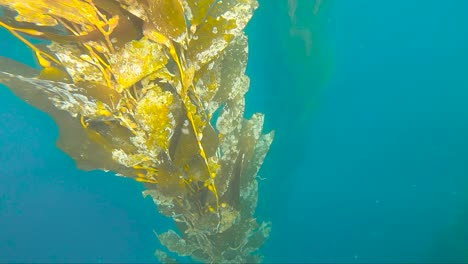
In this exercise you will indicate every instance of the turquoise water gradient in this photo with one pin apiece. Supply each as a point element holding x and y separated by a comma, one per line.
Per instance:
<point>369,163</point>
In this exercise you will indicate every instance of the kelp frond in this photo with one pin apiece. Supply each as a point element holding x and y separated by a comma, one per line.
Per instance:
<point>134,86</point>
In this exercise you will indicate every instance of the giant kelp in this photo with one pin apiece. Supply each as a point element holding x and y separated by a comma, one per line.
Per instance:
<point>153,90</point>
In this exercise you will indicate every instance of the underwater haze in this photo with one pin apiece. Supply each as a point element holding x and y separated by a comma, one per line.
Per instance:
<point>369,103</point>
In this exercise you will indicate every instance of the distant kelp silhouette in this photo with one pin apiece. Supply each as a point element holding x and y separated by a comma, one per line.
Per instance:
<point>154,90</point>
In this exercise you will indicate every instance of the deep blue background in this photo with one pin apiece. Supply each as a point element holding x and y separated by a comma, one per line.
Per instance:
<point>369,163</point>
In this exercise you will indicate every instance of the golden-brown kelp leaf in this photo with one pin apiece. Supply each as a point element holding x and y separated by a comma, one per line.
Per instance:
<point>175,243</point>
<point>77,142</point>
<point>248,142</point>
<point>251,131</point>
<point>230,118</point>
<point>43,12</point>
<point>196,10</point>
<point>229,125</point>
<point>63,96</point>
<point>208,85</point>
<point>11,66</point>
<point>137,59</point>
<point>154,115</point>
<point>143,106</point>
<point>257,237</point>
<point>91,148</point>
<point>31,29</point>
<point>54,74</point>
<point>80,67</point>
<point>128,27</point>
<point>135,7</point>
<point>182,148</point>
<point>163,257</point>
<point>231,172</point>
<point>28,12</point>
<point>260,152</point>
<point>167,18</point>
<point>226,20</point>
<point>224,78</point>
<point>121,28</point>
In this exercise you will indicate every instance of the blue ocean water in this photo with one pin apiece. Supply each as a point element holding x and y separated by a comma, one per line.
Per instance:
<point>369,164</point>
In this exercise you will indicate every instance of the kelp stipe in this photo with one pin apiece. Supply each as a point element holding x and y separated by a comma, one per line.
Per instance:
<point>135,86</point>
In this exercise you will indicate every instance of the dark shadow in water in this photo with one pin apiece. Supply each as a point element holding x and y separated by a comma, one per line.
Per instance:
<point>289,63</point>
<point>451,245</point>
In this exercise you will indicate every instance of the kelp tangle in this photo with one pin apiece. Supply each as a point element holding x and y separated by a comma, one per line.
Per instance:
<point>153,90</point>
